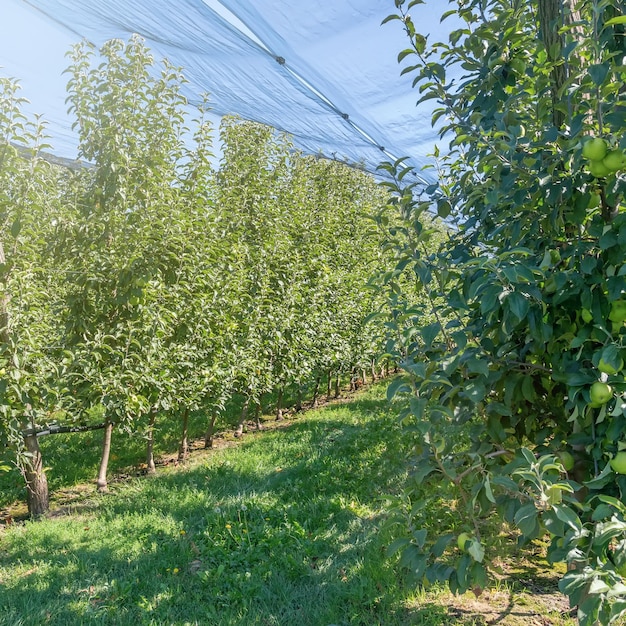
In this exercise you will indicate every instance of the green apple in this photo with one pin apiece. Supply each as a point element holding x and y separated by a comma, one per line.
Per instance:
<point>600,393</point>
<point>462,540</point>
<point>618,311</point>
<point>618,462</point>
<point>607,368</point>
<point>594,200</point>
<point>496,61</point>
<point>550,285</point>
<point>518,65</point>
<point>587,316</point>
<point>566,459</point>
<point>595,149</point>
<point>598,169</point>
<point>555,256</point>
<point>555,496</point>
<point>614,160</point>
<point>510,118</point>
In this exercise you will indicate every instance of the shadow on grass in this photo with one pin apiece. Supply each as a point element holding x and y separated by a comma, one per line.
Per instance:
<point>279,530</point>
<point>494,608</point>
<point>74,458</point>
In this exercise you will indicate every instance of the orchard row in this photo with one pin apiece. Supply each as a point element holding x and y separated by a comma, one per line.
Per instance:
<point>151,283</point>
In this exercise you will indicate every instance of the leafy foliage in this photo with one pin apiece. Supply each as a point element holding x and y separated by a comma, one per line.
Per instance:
<point>30,288</point>
<point>526,343</point>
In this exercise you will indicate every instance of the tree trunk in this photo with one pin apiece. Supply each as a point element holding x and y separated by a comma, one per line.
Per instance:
<point>299,399</point>
<point>210,431</point>
<point>36,481</point>
<point>101,483</point>
<point>32,465</point>
<point>552,16</point>
<point>279,404</point>
<point>183,449</point>
<point>37,495</point>
<point>151,467</point>
<point>337,384</point>
<point>316,389</point>
<point>257,416</point>
<point>374,373</point>
<point>242,419</point>
<point>353,385</point>
<point>329,385</point>
<point>4,310</point>
<point>364,377</point>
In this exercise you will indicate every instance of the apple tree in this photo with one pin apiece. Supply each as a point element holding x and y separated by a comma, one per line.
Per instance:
<point>515,388</point>
<point>30,291</point>
<point>124,234</point>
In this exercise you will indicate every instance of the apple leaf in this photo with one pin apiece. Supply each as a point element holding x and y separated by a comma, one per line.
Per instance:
<point>526,519</point>
<point>599,72</point>
<point>476,551</point>
<point>598,586</point>
<point>567,516</point>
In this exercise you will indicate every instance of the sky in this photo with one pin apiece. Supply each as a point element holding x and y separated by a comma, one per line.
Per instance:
<point>325,72</point>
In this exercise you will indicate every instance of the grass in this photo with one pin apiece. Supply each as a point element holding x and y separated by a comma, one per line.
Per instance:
<point>285,528</point>
<point>74,458</point>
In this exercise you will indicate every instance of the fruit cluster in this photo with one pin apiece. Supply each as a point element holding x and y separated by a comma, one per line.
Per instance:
<point>602,160</point>
<point>611,362</point>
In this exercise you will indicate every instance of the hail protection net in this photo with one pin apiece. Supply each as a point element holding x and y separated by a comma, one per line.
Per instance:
<point>325,72</point>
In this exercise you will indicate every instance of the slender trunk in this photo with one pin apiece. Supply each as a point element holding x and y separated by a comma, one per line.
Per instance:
<point>353,385</point>
<point>257,416</point>
<point>32,466</point>
<point>337,384</point>
<point>364,377</point>
<point>210,431</point>
<point>4,310</point>
<point>151,468</point>
<point>242,419</point>
<point>299,399</point>
<point>374,373</point>
<point>550,26</point>
<point>279,404</point>
<point>329,385</point>
<point>101,483</point>
<point>316,389</point>
<point>36,481</point>
<point>183,449</point>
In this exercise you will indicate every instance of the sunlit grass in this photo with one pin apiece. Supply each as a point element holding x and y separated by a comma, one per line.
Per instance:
<point>282,529</point>
<point>74,458</point>
<point>285,528</point>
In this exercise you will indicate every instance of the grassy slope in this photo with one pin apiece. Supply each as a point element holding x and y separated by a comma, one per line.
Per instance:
<point>283,529</point>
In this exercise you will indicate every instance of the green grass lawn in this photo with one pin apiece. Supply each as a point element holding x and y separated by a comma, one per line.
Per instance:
<point>285,528</point>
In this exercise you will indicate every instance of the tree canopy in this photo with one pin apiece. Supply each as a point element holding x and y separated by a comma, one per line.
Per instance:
<point>523,357</point>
